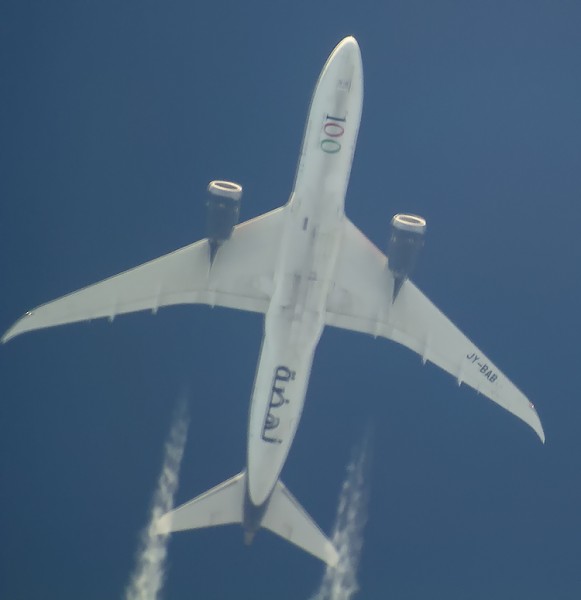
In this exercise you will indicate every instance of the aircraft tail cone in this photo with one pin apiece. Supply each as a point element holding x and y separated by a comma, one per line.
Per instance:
<point>249,537</point>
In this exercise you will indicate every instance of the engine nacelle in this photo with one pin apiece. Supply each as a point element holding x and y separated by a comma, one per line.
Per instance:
<point>222,212</point>
<point>405,243</point>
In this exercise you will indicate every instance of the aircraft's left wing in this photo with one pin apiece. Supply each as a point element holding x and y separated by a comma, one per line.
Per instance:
<point>360,300</point>
<point>241,277</point>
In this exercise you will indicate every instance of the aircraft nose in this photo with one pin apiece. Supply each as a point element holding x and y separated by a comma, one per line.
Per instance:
<point>346,53</point>
<point>349,41</point>
<point>348,45</point>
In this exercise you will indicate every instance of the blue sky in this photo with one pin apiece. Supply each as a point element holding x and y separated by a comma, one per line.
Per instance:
<point>114,118</point>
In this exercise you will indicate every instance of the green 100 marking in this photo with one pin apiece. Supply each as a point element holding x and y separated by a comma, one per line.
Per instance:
<point>332,129</point>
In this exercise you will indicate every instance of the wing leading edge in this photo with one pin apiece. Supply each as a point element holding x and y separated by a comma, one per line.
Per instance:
<point>359,301</point>
<point>241,277</point>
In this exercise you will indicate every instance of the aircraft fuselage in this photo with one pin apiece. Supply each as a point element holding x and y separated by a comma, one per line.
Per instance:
<point>312,233</point>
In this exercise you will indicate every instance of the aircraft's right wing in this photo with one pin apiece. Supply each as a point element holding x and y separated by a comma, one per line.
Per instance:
<point>241,277</point>
<point>361,301</point>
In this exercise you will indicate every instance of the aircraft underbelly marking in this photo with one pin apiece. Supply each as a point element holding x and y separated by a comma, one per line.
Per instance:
<point>276,408</point>
<point>483,367</point>
<point>277,399</point>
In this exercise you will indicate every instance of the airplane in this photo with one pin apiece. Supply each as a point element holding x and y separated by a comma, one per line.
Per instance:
<point>304,265</point>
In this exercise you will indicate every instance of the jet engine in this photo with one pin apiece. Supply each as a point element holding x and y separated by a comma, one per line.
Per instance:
<point>405,242</point>
<point>222,212</point>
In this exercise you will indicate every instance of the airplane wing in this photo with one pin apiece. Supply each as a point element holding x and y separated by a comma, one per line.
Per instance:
<point>360,300</point>
<point>241,277</point>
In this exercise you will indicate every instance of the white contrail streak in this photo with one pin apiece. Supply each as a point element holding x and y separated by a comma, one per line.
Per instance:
<point>340,583</point>
<point>147,578</point>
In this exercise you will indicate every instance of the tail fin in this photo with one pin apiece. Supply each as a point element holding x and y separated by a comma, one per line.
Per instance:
<point>219,506</point>
<point>287,518</point>
<point>224,504</point>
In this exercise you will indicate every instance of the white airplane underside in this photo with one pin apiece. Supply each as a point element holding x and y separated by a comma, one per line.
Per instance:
<point>304,265</point>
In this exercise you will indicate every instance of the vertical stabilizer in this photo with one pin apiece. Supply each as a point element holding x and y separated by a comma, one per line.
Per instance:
<point>288,519</point>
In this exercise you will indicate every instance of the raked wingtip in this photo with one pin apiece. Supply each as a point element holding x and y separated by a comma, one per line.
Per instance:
<point>9,334</point>
<point>538,428</point>
<point>15,329</point>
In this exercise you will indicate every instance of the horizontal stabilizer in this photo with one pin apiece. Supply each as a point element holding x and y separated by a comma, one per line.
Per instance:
<point>219,506</point>
<point>288,519</point>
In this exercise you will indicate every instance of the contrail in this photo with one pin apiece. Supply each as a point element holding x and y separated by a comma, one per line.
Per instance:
<point>148,576</point>
<point>340,583</point>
